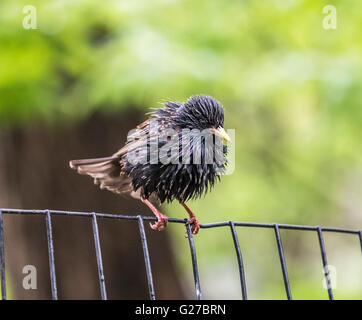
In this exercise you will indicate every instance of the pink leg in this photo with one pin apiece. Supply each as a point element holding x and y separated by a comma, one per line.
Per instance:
<point>195,226</point>
<point>162,220</point>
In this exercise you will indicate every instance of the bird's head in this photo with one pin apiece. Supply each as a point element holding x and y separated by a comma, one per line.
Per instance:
<point>202,112</point>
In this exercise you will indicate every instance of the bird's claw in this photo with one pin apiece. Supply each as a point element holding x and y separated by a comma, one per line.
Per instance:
<point>161,223</point>
<point>195,226</point>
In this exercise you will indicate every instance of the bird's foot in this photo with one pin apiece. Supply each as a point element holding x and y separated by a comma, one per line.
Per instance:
<point>162,220</point>
<point>195,226</point>
<point>161,223</point>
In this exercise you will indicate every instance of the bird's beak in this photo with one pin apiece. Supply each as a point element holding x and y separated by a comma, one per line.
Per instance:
<point>220,131</point>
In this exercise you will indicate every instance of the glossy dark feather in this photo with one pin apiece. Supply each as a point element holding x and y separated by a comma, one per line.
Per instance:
<point>175,180</point>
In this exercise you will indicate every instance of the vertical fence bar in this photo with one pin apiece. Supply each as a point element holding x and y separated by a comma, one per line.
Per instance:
<point>240,260</point>
<point>51,255</point>
<point>2,259</point>
<point>194,262</point>
<point>102,284</point>
<point>282,262</point>
<point>146,255</point>
<point>325,264</point>
<point>360,238</point>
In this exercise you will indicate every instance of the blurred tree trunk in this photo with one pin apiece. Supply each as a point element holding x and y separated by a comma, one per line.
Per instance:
<point>34,174</point>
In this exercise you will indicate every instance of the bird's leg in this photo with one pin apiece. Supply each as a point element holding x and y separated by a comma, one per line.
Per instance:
<point>195,226</point>
<point>162,220</point>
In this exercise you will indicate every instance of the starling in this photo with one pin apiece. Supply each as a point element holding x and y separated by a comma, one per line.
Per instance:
<point>177,154</point>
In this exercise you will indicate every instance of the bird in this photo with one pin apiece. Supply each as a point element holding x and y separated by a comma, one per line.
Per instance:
<point>178,153</point>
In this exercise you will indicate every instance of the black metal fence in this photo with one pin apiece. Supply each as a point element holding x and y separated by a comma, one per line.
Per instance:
<point>231,224</point>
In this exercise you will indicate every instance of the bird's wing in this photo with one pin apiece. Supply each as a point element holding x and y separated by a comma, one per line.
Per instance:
<point>140,139</point>
<point>106,173</point>
<point>135,139</point>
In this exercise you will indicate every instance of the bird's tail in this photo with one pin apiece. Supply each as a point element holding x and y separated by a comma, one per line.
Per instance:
<point>93,166</point>
<point>105,171</point>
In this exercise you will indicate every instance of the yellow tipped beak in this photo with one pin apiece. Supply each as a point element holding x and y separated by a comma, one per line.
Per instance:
<point>220,131</point>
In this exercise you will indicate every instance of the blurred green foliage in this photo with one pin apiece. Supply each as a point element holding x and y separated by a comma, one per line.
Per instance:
<point>291,89</point>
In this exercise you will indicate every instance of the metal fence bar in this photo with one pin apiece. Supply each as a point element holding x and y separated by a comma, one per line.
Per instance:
<point>102,284</point>
<point>281,226</point>
<point>282,262</point>
<point>204,226</point>
<point>146,254</point>
<point>87,214</point>
<point>51,255</point>
<point>194,261</point>
<point>325,264</point>
<point>2,259</point>
<point>141,220</point>
<point>240,260</point>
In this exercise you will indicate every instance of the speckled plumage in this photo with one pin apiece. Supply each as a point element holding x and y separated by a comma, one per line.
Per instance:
<point>179,179</point>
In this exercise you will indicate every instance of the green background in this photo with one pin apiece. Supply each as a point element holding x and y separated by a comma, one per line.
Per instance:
<point>291,90</point>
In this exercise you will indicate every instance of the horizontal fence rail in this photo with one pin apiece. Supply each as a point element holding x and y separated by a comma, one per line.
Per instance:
<point>141,219</point>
